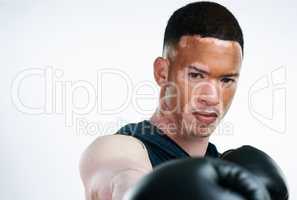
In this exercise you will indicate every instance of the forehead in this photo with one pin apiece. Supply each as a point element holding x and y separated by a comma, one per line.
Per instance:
<point>211,54</point>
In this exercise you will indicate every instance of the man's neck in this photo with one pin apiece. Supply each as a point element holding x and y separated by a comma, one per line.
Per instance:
<point>195,146</point>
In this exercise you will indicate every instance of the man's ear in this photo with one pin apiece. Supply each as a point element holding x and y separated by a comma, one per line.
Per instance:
<point>161,71</point>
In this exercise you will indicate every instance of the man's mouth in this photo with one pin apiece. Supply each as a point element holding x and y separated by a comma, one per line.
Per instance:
<point>206,117</point>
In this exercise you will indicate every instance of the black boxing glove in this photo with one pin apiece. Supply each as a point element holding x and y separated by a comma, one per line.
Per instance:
<point>198,179</point>
<point>263,166</point>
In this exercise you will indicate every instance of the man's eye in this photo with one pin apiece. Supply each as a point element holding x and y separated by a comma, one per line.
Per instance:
<point>228,80</point>
<point>195,75</point>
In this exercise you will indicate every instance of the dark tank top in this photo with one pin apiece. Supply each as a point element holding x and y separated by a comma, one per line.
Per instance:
<point>159,146</point>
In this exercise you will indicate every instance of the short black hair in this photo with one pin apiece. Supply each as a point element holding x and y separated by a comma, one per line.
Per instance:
<point>204,18</point>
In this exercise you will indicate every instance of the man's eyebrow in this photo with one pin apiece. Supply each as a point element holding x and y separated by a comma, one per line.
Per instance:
<point>199,70</point>
<point>207,73</point>
<point>230,75</point>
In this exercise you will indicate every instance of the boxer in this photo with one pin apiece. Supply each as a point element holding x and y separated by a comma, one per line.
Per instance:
<point>197,74</point>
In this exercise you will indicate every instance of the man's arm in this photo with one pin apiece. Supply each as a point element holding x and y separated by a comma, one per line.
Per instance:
<point>111,165</point>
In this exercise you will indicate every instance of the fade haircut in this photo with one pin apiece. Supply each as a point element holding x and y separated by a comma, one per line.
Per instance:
<point>204,18</point>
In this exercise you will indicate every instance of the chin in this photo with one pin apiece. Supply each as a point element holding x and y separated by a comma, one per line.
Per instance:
<point>198,130</point>
<point>201,132</point>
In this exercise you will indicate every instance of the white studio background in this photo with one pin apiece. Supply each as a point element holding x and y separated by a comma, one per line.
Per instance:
<point>51,54</point>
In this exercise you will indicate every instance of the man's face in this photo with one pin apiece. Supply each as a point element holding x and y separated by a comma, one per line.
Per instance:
<point>203,74</point>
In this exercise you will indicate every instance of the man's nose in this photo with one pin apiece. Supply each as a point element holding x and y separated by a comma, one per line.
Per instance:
<point>208,94</point>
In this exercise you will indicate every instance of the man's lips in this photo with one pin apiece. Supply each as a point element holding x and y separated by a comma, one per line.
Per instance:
<point>205,117</point>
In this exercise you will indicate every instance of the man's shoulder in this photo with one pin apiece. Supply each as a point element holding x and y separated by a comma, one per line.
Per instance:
<point>109,157</point>
<point>120,143</point>
<point>113,147</point>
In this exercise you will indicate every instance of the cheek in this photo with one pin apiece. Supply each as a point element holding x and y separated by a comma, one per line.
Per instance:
<point>184,92</point>
<point>228,95</point>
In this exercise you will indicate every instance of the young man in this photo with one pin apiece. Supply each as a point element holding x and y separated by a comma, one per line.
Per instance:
<point>197,75</point>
